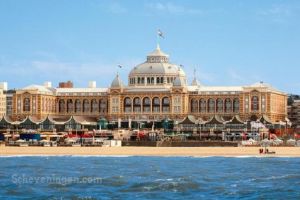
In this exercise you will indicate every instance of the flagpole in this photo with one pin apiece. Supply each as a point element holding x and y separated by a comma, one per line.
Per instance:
<point>119,67</point>
<point>157,38</point>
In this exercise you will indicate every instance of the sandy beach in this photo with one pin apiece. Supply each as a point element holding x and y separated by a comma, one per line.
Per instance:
<point>149,151</point>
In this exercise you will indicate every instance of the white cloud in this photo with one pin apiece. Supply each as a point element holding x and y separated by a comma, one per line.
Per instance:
<point>277,13</point>
<point>39,71</point>
<point>276,10</point>
<point>171,8</point>
<point>235,76</point>
<point>116,8</point>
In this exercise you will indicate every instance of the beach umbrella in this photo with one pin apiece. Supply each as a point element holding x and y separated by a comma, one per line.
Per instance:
<point>291,142</point>
<point>265,142</point>
<point>20,141</point>
<point>252,141</point>
<point>277,141</point>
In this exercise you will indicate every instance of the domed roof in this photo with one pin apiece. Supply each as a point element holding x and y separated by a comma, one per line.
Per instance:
<point>157,52</point>
<point>157,64</point>
<point>117,82</point>
<point>157,68</point>
<point>179,82</point>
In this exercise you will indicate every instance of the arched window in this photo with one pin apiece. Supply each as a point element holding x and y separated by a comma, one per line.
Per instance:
<point>228,105</point>
<point>194,106</point>
<point>86,105</point>
<point>127,105</point>
<point>148,80</point>
<point>77,106</point>
<point>219,105</point>
<point>94,107</point>
<point>236,105</point>
<point>26,105</point>
<point>157,80</point>
<point>103,106</point>
<point>255,104</point>
<point>166,104</point>
<point>146,104</point>
<point>69,106</point>
<point>136,104</point>
<point>152,80</point>
<point>61,106</point>
<point>155,104</point>
<point>211,105</point>
<point>202,105</point>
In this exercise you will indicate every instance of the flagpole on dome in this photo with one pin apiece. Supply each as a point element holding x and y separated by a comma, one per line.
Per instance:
<point>119,67</point>
<point>159,35</point>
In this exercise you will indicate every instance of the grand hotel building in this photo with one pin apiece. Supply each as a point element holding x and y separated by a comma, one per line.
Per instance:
<point>157,89</point>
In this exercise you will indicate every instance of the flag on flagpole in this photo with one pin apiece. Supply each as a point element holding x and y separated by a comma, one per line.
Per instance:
<point>120,66</point>
<point>160,33</point>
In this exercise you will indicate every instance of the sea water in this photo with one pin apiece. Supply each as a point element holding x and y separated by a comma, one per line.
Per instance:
<point>119,177</point>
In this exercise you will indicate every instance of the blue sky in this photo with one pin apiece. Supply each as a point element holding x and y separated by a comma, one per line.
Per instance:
<point>229,42</point>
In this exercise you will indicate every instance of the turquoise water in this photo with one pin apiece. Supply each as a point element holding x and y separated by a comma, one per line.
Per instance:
<point>69,177</point>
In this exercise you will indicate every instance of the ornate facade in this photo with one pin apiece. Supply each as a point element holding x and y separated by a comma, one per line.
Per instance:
<point>157,89</point>
<point>2,103</point>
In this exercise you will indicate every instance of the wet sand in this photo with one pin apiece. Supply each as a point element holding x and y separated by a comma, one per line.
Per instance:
<point>148,151</point>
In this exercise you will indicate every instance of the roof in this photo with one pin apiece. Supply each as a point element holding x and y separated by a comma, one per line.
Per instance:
<point>86,120</point>
<point>40,89</point>
<point>59,119</point>
<point>265,86</point>
<point>236,120</point>
<point>80,90</point>
<point>6,119</point>
<point>147,89</point>
<point>30,119</point>
<point>179,82</point>
<point>215,88</point>
<point>117,82</point>
<point>265,120</point>
<point>216,119</point>
<point>157,63</point>
<point>190,119</point>
<point>158,52</point>
<point>157,68</point>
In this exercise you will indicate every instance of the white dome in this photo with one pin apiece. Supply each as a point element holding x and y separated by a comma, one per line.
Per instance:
<point>179,82</point>
<point>117,82</point>
<point>156,66</point>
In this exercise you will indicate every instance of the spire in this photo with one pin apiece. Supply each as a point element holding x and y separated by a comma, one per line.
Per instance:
<point>117,82</point>
<point>195,81</point>
<point>158,47</point>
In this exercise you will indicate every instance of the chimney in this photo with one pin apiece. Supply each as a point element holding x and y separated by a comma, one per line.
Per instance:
<point>3,86</point>
<point>68,84</point>
<point>92,84</point>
